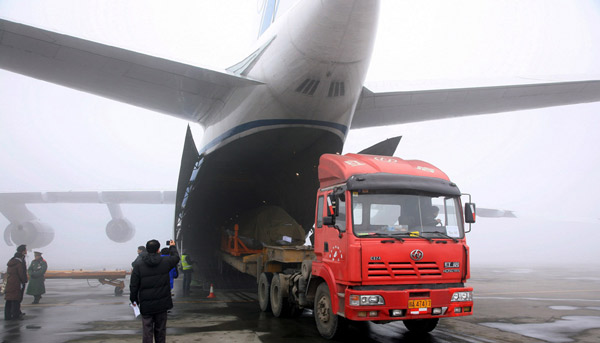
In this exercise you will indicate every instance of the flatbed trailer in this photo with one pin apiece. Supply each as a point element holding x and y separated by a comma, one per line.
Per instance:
<point>272,259</point>
<point>105,277</point>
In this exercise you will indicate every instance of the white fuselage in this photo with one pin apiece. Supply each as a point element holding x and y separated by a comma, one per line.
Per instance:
<point>313,65</point>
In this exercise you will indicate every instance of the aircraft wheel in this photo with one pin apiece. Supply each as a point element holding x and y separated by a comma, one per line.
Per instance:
<point>421,326</point>
<point>329,324</point>
<point>264,291</point>
<point>279,305</point>
<point>118,291</point>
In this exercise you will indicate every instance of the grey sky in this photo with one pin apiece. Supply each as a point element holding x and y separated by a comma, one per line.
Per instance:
<point>541,163</point>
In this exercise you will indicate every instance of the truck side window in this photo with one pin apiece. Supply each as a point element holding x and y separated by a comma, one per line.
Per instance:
<point>320,212</point>
<point>340,220</point>
<point>357,213</point>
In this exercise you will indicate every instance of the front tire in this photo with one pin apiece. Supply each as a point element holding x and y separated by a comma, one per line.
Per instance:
<point>421,326</point>
<point>328,323</point>
<point>264,291</point>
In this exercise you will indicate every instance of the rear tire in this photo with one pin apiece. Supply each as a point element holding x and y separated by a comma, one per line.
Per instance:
<point>264,291</point>
<point>329,324</point>
<point>421,326</point>
<point>279,304</point>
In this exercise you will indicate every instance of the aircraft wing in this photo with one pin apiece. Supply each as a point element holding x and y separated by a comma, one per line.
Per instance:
<point>12,205</point>
<point>185,91</point>
<point>28,229</point>
<point>90,197</point>
<point>378,109</point>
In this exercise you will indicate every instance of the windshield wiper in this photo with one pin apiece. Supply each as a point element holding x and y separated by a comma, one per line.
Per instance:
<point>444,235</point>
<point>408,234</point>
<point>394,236</point>
<point>385,235</point>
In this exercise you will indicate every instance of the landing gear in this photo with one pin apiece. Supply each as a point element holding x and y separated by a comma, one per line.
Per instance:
<point>118,291</point>
<point>329,324</point>
<point>264,291</point>
<point>421,326</point>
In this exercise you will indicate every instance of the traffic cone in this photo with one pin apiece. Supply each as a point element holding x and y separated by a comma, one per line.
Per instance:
<point>212,294</point>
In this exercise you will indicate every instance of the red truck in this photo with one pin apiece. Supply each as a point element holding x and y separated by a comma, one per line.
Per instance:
<point>389,244</point>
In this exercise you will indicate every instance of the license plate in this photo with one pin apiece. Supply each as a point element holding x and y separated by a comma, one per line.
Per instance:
<point>419,303</point>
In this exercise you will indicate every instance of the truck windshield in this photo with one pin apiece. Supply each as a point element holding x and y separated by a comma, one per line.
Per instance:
<point>406,215</point>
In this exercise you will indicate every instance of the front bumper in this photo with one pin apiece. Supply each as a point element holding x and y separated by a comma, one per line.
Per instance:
<point>396,305</point>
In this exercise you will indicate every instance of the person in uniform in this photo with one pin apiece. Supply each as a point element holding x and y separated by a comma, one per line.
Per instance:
<point>36,272</point>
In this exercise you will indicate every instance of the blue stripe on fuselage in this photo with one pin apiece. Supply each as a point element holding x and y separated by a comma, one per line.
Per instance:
<point>272,122</point>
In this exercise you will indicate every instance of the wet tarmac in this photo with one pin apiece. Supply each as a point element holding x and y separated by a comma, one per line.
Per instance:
<point>524,305</point>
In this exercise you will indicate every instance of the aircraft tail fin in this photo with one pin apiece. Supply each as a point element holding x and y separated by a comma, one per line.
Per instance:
<point>384,148</point>
<point>270,10</point>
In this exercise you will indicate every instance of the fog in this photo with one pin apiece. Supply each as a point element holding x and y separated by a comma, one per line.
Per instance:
<point>539,163</point>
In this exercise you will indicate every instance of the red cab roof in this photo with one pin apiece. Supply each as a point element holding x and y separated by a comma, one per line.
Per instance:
<point>336,169</point>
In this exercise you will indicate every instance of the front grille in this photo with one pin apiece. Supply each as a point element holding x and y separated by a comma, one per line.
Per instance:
<point>379,270</point>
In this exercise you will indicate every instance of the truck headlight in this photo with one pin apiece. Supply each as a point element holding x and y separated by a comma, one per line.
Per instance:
<point>462,296</point>
<point>366,300</point>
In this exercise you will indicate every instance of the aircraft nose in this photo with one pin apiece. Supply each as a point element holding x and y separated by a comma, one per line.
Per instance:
<point>349,24</point>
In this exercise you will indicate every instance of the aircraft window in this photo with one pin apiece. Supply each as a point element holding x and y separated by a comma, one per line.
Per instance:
<point>320,212</point>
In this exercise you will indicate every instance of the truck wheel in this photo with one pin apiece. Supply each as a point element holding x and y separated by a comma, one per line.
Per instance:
<point>329,324</point>
<point>306,269</point>
<point>420,326</point>
<point>279,305</point>
<point>264,291</point>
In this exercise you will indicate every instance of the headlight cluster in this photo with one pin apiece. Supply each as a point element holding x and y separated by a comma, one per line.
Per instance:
<point>366,300</point>
<point>462,296</point>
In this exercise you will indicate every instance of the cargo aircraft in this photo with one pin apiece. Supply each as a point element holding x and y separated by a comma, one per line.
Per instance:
<point>266,119</point>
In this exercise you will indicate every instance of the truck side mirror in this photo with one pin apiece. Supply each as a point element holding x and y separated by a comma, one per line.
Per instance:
<point>332,210</point>
<point>333,205</point>
<point>470,213</point>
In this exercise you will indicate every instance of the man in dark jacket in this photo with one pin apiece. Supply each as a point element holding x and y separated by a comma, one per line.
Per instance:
<point>150,289</point>
<point>141,252</point>
<point>16,275</point>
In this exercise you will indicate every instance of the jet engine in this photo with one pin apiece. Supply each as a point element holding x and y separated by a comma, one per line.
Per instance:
<point>33,233</point>
<point>120,230</point>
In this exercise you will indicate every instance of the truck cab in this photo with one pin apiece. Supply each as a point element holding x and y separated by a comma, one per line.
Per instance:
<point>389,243</point>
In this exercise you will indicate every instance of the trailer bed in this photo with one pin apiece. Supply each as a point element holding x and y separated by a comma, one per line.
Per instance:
<point>271,259</point>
